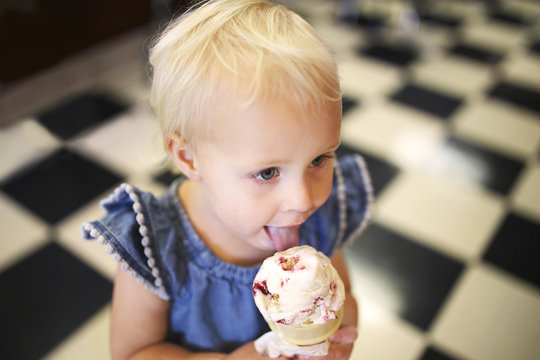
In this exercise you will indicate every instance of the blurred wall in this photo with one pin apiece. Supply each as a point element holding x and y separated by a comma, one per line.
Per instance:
<point>36,34</point>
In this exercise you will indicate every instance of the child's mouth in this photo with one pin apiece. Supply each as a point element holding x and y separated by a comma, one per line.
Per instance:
<point>282,237</point>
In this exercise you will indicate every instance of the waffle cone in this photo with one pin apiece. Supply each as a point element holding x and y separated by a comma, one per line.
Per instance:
<point>307,334</point>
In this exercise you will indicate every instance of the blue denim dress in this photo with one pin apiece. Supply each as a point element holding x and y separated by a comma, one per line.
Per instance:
<point>211,302</point>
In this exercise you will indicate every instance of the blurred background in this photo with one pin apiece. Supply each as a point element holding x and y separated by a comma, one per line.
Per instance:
<point>442,98</point>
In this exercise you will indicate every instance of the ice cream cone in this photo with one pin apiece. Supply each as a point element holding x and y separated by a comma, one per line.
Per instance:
<point>298,291</point>
<point>309,334</point>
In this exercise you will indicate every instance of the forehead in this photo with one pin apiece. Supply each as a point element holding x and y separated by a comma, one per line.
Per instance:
<point>277,128</point>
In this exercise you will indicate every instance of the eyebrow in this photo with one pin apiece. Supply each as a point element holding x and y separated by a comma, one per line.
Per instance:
<point>333,148</point>
<point>271,163</point>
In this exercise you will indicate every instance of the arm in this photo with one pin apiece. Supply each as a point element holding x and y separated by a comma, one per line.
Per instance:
<point>139,326</point>
<point>350,306</point>
<point>138,317</point>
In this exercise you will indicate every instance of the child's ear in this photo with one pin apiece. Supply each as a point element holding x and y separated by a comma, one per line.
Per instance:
<point>183,157</point>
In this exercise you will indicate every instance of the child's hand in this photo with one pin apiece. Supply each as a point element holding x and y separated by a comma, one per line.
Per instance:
<point>248,352</point>
<point>341,345</point>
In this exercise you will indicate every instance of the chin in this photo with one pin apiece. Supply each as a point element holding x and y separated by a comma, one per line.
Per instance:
<point>267,247</point>
<point>263,244</point>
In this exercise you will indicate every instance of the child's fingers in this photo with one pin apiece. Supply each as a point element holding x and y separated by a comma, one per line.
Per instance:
<point>336,352</point>
<point>342,344</point>
<point>345,335</point>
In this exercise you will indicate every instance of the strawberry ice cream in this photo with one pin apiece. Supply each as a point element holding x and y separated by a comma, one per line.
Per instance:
<point>299,288</point>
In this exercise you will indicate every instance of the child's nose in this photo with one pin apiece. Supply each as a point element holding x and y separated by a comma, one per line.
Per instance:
<point>299,198</point>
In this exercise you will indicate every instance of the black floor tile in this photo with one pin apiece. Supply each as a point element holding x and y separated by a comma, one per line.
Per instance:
<point>80,113</point>
<point>516,248</point>
<point>348,19</point>
<point>477,54</point>
<point>441,20</point>
<point>433,354</point>
<point>509,18</point>
<point>381,172</point>
<point>419,278</point>
<point>370,22</point>
<point>461,159</point>
<point>395,55</point>
<point>366,22</point>
<point>348,104</point>
<point>517,94</point>
<point>59,184</point>
<point>535,46</point>
<point>166,177</point>
<point>44,299</point>
<point>427,100</point>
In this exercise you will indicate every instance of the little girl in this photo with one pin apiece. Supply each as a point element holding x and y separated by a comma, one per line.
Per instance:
<point>250,106</point>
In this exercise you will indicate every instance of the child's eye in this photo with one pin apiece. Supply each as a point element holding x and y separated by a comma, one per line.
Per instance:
<point>267,174</point>
<point>318,161</point>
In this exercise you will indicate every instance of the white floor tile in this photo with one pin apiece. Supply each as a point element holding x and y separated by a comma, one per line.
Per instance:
<point>432,41</point>
<point>340,39</point>
<point>529,9</point>
<point>521,68</point>
<point>20,232</point>
<point>500,126</point>
<point>91,252</point>
<point>490,317</point>
<point>144,183</point>
<point>375,7</point>
<point>456,219</point>
<point>89,342</point>
<point>317,10</point>
<point>402,136</point>
<point>130,143</point>
<point>22,143</point>
<point>494,35</point>
<point>526,194</point>
<point>452,76</point>
<point>378,327</point>
<point>466,10</point>
<point>361,77</point>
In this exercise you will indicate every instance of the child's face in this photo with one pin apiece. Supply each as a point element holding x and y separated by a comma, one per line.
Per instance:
<point>265,170</point>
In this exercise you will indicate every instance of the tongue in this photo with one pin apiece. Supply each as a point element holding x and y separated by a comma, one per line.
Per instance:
<point>283,238</point>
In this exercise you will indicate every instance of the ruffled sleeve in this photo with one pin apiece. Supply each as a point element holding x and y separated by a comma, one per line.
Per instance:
<point>347,211</point>
<point>355,196</point>
<point>128,233</point>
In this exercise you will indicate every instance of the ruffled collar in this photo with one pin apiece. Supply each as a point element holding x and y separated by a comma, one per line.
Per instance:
<point>197,249</point>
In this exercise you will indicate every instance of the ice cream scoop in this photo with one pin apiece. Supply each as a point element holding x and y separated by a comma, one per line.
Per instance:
<point>300,295</point>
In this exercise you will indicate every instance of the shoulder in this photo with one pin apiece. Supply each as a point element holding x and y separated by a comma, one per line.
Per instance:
<point>354,192</point>
<point>130,230</point>
<point>348,208</point>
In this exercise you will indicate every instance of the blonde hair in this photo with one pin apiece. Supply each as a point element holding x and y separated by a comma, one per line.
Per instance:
<point>260,49</point>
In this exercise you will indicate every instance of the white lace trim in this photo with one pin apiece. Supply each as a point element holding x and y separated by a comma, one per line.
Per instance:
<point>342,204</point>
<point>157,286</point>
<point>370,199</point>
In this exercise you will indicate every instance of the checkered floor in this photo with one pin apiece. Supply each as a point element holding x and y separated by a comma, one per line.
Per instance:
<point>443,102</point>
